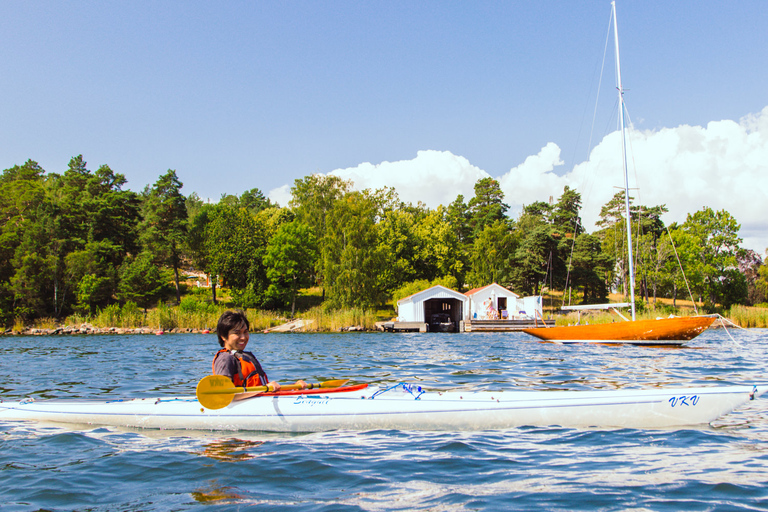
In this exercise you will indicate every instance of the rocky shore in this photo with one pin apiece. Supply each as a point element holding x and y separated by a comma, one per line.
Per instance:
<point>90,329</point>
<point>293,326</point>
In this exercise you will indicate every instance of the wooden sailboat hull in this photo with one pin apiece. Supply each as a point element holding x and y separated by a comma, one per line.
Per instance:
<point>663,331</point>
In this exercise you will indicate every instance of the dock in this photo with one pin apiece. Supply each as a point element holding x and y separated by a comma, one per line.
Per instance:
<point>469,326</point>
<point>504,325</point>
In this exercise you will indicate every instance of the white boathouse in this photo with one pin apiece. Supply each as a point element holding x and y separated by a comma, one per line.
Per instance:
<point>494,302</point>
<point>433,306</point>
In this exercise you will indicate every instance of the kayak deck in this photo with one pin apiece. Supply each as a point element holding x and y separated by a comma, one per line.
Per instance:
<point>404,407</point>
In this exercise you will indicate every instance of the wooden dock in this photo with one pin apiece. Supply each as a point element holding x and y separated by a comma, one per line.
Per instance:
<point>504,325</point>
<point>468,326</point>
<point>404,327</point>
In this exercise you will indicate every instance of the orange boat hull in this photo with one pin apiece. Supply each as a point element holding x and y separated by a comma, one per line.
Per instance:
<point>665,331</point>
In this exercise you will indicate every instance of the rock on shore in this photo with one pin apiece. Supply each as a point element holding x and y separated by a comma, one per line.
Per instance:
<point>90,329</point>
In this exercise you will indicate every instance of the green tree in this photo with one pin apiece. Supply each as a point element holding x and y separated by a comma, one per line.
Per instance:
<point>492,255</point>
<point>22,192</point>
<point>94,277</point>
<point>750,265</point>
<point>590,269</point>
<point>352,258</point>
<point>198,246</point>
<point>141,281</point>
<point>313,199</point>
<point>290,261</point>
<point>458,216</point>
<point>713,251</point>
<point>235,246</point>
<point>565,214</point>
<point>487,206</point>
<point>164,224</point>
<point>534,260</point>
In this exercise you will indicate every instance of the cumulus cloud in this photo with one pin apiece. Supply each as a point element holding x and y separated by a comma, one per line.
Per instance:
<point>433,177</point>
<point>723,165</point>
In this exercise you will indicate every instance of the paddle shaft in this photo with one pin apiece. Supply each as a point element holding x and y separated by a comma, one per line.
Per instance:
<point>257,389</point>
<point>217,391</point>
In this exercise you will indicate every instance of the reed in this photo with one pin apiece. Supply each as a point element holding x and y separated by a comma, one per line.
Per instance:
<point>323,320</point>
<point>748,316</point>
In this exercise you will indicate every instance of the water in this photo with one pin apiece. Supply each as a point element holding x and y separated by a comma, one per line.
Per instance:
<point>57,467</point>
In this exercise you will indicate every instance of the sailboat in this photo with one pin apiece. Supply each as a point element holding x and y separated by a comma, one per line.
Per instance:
<point>662,331</point>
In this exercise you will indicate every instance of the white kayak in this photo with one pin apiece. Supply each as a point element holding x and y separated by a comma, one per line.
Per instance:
<point>403,407</point>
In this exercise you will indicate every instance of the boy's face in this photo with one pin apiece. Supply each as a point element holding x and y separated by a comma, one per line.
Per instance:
<point>237,338</point>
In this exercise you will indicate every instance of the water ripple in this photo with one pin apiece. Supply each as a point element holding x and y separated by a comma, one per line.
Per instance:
<point>55,467</point>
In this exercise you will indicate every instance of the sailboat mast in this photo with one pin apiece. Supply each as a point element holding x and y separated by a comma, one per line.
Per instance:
<point>624,164</point>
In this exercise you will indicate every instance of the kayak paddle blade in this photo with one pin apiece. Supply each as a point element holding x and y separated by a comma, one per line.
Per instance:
<point>215,391</point>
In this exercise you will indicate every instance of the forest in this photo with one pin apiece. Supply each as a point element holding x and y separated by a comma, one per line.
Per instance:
<point>79,242</point>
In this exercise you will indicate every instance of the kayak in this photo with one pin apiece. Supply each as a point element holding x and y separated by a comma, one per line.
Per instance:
<point>402,407</point>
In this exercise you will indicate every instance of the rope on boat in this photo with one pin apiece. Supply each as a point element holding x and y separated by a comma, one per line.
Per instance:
<point>723,321</point>
<point>407,388</point>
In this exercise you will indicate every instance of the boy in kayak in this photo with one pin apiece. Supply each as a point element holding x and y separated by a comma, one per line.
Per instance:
<point>233,331</point>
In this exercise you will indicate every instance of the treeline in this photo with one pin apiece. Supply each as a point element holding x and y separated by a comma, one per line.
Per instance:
<point>78,242</point>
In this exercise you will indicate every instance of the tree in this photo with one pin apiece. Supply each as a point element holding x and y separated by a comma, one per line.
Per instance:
<point>235,244</point>
<point>487,206</point>
<point>290,262</point>
<point>352,259</point>
<point>457,214</point>
<point>22,192</point>
<point>164,227</point>
<point>565,214</point>
<point>141,281</point>
<point>533,216</point>
<point>93,275</point>
<point>534,260</point>
<point>313,199</point>
<point>198,247</point>
<point>713,251</point>
<point>491,257</point>
<point>751,266</point>
<point>590,269</point>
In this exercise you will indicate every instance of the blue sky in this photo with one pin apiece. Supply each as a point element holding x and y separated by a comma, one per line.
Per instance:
<point>237,95</point>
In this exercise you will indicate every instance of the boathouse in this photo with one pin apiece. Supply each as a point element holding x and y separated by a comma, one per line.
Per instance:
<point>493,302</point>
<point>435,309</point>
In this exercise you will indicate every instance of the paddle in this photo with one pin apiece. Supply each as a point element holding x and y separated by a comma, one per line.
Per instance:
<point>217,391</point>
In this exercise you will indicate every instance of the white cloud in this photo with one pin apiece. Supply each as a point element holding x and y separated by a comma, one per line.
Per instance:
<point>280,195</point>
<point>723,166</point>
<point>433,177</point>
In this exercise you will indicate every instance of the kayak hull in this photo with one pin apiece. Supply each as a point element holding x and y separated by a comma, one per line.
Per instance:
<point>371,409</point>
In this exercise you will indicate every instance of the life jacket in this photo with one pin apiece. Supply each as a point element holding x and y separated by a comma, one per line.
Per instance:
<point>248,374</point>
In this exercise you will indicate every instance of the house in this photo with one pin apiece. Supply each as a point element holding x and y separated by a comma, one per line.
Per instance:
<point>441,308</point>
<point>494,302</point>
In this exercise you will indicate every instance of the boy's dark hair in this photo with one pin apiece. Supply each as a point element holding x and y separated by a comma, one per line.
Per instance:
<point>230,320</point>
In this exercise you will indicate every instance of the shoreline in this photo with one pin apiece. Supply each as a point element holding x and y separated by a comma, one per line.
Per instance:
<point>90,329</point>
<point>292,326</point>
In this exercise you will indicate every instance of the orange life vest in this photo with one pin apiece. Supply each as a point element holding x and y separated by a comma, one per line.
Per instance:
<point>248,374</point>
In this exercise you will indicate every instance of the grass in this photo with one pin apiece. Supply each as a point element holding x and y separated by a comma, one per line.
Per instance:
<point>323,320</point>
<point>748,316</point>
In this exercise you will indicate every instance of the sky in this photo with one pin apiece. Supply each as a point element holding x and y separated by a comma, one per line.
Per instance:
<point>426,97</point>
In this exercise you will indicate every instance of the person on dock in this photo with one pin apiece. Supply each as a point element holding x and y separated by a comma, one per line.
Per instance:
<point>233,332</point>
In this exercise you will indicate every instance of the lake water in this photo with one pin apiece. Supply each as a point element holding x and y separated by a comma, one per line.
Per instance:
<point>47,467</point>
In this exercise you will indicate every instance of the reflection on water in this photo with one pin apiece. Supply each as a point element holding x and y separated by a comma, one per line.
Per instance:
<point>230,450</point>
<point>215,493</point>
